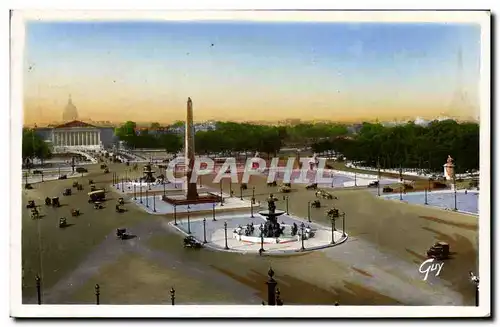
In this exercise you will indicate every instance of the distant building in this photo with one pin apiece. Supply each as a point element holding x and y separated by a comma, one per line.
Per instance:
<point>70,112</point>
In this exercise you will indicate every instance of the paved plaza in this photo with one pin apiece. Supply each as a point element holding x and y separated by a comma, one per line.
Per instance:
<point>371,267</point>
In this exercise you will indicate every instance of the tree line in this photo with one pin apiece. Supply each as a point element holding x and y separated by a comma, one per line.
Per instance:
<point>410,145</point>
<point>230,137</point>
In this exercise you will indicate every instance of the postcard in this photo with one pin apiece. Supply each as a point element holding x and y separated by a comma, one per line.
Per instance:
<point>250,164</point>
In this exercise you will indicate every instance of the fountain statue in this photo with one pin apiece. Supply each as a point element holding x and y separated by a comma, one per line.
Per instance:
<point>148,174</point>
<point>272,228</point>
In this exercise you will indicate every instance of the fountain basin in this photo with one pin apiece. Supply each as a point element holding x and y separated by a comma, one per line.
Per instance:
<point>287,237</point>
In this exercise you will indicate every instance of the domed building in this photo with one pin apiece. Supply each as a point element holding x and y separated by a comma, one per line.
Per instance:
<point>70,112</point>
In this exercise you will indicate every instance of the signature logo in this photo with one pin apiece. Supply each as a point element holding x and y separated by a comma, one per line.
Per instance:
<point>429,265</point>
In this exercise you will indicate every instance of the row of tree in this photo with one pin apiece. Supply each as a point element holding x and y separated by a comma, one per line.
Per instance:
<point>410,145</point>
<point>228,137</point>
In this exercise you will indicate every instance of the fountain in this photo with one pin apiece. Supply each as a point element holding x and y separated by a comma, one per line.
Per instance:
<point>272,232</point>
<point>272,228</point>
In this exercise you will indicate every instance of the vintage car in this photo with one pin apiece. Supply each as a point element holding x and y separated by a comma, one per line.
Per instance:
<point>98,205</point>
<point>373,184</point>
<point>387,189</point>
<point>122,234</point>
<point>439,251</point>
<point>312,186</point>
<point>55,202</point>
<point>97,195</point>
<point>316,204</point>
<point>285,189</point>
<point>67,192</point>
<point>75,212</point>
<point>81,170</point>
<point>31,204</point>
<point>63,177</point>
<point>191,242</point>
<point>35,214</point>
<point>324,195</point>
<point>62,222</point>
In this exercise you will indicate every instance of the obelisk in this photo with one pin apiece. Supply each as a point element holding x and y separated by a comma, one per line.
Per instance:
<point>192,192</point>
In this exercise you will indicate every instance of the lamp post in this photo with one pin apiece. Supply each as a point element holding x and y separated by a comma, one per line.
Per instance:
<point>253,195</point>
<point>189,222</point>
<point>425,196</point>
<point>213,212</point>
<point>343,224</point>
<point>140,190</point>
<point>429,183</point>
<point>241,192</point>
<point>230,187</point>
<point>135,194</point>
<point>154,203</point>
<point>225,235</point>
<point>309,211</point>
<point>172,295</point>
<point>455,190</point>
<point>38,289</point>
<point>251,209</point>
<point>204,230</point>
<point>261,228</point>
<point>122,186</point>
<point>164,189</point>
<point>475,280</point>
<point>334,215</point>
<point>147,200</point>
<point>285,197</point>
<point>355,179</point>
<point>378,177</point>
<point>97,293</point>
<point>331,176</point>
<point>175,214</point>
<point>302,226</point>
<point>401,182</point>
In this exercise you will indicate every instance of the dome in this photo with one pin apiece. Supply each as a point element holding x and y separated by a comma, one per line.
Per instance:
<point>70,112</point>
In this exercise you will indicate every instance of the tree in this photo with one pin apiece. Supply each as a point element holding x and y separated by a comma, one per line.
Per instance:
<point>34,146</point>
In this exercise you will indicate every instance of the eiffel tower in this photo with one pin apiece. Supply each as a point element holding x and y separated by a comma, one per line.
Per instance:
<point>460,104</point>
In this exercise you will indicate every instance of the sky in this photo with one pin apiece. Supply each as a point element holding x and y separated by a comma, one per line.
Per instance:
<point>145,71</point>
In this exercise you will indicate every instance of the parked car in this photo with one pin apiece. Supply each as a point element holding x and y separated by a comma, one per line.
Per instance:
<point>81,170</point>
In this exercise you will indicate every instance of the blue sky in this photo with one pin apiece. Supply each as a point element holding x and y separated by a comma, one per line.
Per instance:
<point>253,70</point>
